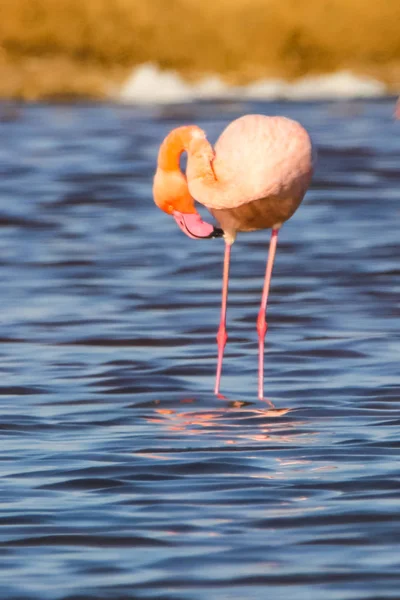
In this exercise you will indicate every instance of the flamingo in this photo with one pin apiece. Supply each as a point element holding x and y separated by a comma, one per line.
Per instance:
<point>255,178</point>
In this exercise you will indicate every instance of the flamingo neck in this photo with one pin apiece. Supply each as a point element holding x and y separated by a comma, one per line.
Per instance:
<point>175,143</point>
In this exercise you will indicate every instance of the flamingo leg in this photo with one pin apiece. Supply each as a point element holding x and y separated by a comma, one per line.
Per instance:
<point>262,325</point>
<point>222,335</point>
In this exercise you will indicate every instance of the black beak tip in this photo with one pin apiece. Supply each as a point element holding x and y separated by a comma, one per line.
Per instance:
<point>217,233</point>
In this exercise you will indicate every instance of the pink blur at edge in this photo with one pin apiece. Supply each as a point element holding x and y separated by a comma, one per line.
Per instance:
<point>397,110</point>
<point>193,225</point>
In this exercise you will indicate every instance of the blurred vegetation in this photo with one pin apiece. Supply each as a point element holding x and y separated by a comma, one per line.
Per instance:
<point>51,48</point>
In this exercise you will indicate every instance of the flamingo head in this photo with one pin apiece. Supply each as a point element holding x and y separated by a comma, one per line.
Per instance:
<point>171,195</point>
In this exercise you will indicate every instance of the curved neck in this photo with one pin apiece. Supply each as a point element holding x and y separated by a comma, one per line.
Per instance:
<point>176,142</point>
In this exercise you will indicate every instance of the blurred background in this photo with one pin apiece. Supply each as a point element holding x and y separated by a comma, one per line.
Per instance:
<point>88,48</point>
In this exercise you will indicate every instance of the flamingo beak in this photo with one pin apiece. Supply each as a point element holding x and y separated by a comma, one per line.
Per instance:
<point>194,227</point>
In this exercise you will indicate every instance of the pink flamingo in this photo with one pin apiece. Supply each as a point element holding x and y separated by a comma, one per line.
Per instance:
<point>255,179</point>
<point>397,109</point>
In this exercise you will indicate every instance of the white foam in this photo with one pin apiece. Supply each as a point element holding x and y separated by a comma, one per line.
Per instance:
<point>149,85</point>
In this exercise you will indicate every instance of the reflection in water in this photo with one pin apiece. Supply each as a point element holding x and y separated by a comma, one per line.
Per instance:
<point>246,420</point>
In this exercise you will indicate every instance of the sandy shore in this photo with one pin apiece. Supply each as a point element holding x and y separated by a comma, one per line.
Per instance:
<point>87,48</point>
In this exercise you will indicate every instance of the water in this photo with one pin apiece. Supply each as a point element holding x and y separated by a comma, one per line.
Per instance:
<point>122,476</point>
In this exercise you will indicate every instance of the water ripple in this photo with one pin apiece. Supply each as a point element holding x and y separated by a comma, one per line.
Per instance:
<point>122,475</point>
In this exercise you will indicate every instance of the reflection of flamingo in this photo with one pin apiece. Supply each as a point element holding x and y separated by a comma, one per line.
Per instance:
<point>397,110</point>
<point>225,420</point>
<point>255,179</point>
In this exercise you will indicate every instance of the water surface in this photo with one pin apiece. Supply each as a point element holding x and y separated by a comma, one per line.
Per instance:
<point>122,475</point>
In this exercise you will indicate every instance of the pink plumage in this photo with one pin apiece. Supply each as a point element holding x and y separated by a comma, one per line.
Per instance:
<point>263,167</point>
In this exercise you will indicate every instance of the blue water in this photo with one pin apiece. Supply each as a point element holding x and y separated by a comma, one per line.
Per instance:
<point>122,475</point>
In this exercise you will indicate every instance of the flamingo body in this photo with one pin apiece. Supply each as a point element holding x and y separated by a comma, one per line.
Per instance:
<point>263,167</point>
